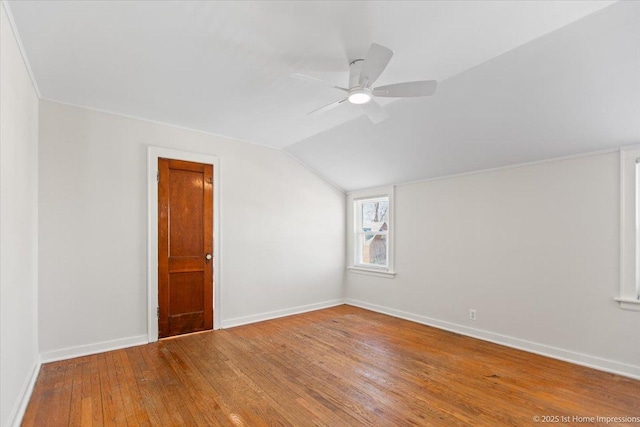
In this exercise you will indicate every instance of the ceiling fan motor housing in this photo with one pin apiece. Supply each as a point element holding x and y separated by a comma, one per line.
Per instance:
<point>357,94</point>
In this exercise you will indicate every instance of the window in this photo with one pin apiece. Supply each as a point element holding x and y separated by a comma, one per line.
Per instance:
<point>629,297</point>
<point>370,242</point>
<point>372,229</point>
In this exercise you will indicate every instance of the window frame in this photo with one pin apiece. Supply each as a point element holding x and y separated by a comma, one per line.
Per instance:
<point>354,198</point>
<point>629,295</point>
<point>360,234</point>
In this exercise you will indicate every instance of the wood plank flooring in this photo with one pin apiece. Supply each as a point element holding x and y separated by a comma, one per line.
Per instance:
<point>342,366</point>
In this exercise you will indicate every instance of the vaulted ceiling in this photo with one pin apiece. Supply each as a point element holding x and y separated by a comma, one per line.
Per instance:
<point>519,81</point>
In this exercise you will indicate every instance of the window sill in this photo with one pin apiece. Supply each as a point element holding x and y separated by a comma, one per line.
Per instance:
<point>372,272</point>
<point>628,303</point>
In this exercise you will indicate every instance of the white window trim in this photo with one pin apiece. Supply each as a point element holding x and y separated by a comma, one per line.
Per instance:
<point>629,268</point>
<point>352,267</point>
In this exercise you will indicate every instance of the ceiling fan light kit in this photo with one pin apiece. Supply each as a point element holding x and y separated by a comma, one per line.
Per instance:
<point>360,96</point>
<point>363,73</point>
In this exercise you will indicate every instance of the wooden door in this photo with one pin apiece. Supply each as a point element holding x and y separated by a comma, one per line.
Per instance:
<point>185,247</point>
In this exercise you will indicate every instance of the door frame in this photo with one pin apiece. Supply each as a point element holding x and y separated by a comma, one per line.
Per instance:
<point>153,154</point>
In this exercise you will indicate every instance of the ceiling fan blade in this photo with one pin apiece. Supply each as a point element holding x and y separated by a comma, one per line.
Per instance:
<point>374,111</point>
<point>403,90</point>
<point>327,107</point>
<point>374,64</point>
<point>318,81</point>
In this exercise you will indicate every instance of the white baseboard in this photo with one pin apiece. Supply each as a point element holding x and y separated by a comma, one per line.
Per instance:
<point>85,350</point>
<point>237,321</point>
<point>25,396</point>
<point>631,371</point>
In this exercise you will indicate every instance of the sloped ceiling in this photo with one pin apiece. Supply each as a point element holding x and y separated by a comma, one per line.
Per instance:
<point>573,91</point>
<point>520,81</point>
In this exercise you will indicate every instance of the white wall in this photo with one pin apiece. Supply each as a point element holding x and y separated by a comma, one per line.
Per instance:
<point>18,225</point>
<point>534,249</point>
<point>282,227</point>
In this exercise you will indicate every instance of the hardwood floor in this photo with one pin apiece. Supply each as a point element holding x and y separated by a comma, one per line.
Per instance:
<point>342,366</point>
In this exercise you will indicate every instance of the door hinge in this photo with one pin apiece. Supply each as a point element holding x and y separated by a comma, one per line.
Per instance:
<point>158,176</point>
<point>158,312</point>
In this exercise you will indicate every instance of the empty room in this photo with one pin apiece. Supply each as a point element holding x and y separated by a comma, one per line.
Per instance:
<point>319,213</point>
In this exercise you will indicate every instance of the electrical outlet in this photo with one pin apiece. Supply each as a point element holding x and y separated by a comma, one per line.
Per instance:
<point>472,314</point>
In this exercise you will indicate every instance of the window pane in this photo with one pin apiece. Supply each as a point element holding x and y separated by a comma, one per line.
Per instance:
<point>374,249</point>
<point>375,215</point>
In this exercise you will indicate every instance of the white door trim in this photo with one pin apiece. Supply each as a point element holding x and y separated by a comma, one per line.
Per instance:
<point>153,153</point>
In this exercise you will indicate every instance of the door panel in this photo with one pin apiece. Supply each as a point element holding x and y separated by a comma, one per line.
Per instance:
<point>186,296</point>
<point>186,292</point>
<point>186,213</point>
<point>185,228</point>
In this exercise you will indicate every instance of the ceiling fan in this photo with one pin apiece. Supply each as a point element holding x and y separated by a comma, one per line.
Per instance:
<point>363,73</point>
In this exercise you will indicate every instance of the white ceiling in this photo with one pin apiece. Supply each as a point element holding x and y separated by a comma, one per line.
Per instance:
<point>573,91</point>
<point>223,67</point>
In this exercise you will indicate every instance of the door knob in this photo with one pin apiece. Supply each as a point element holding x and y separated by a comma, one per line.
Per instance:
<point>208,257</point>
